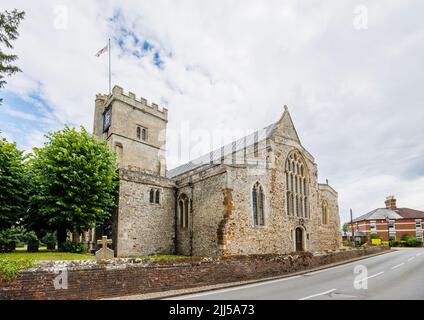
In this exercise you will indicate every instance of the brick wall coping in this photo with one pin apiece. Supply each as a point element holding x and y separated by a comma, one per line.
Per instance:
<point>183,261</point>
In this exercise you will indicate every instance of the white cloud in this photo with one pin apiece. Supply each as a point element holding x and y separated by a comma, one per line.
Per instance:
<point>355,96</point>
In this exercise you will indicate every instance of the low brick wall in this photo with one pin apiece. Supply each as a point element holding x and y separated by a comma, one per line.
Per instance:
<point>120,277</point>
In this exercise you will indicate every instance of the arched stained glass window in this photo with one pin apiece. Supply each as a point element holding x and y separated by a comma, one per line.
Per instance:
<point>258,208</point>
<point>296,185</point>
<point>184,207</point>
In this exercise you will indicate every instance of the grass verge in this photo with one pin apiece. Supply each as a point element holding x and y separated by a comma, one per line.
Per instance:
<point>9,269</point>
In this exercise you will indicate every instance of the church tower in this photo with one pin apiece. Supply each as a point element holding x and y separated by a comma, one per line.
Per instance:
<point>135,130</point>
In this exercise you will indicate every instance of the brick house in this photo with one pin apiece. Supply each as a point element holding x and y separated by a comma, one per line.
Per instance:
<point>391,222</point>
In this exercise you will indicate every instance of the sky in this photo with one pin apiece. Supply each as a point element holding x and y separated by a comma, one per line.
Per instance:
<point>349,71</point>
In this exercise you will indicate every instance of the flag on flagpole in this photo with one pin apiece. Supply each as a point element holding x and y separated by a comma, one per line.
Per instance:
<point>101,51</point>
<point>107,48</point>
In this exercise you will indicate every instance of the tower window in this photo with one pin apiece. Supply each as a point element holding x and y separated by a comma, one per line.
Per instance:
<point>141,133</point>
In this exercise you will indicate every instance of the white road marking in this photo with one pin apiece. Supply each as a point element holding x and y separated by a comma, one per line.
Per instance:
<point>229,289</point>
<point>318,294</point>
<point>348,264</point>
<point>373,276</point>
<point>418,254</point>
<point>194,295</point>
<point>412,258</point>
<point>398,265</point>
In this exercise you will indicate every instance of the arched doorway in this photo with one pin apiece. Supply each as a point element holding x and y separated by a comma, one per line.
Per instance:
<point>299,239</point>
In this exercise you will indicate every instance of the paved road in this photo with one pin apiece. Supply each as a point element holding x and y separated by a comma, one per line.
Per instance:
<point>395,275</point>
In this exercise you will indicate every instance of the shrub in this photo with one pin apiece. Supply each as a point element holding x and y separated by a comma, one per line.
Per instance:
<point>9,268</point>
<point>375,236</point>
<point>49,238</point>
<point>346,243</point>
<point>413,242</point>
<point>395,243</point>
<point>31,237</point>
<point>70,246</point>
<point>364,245</point>
<point>407,241</point>
<point>3,240</point>
<point>15,234</point>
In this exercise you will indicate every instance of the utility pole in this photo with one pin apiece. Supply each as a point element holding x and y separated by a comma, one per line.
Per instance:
<point>351,229</point>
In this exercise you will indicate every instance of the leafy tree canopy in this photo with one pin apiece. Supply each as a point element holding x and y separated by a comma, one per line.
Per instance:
<point>13,184</point>
<point>73,181</point>
<point>346,227</point>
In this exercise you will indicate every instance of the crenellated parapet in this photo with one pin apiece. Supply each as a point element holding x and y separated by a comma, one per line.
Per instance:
<point>131,99</point>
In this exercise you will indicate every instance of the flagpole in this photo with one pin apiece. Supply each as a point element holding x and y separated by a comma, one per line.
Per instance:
<point>109,69</point>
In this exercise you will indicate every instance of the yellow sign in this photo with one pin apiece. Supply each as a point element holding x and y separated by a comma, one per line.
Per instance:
<point>376,241</point>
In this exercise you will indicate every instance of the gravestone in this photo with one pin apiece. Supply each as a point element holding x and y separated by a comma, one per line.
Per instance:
<point>104,252</point>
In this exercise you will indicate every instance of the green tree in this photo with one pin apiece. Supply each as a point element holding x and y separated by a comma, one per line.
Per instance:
<point>346,227</point>
<point>74,182</point>
<point>13,184</point>
<point>9,23</point>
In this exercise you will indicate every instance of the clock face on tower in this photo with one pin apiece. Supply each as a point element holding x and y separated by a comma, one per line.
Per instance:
<point>107,118</point>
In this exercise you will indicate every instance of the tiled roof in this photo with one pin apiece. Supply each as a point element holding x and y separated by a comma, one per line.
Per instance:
<point>215,155</point>
<point>410,213</point>
<point>380,213</point>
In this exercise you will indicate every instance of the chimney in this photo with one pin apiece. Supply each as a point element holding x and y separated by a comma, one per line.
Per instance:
<point>390,203</point>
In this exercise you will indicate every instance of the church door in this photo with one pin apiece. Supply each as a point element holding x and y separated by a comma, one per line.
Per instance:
<point>299,239</point>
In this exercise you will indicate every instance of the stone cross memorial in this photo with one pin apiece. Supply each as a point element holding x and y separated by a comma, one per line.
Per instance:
<point>104,252</point>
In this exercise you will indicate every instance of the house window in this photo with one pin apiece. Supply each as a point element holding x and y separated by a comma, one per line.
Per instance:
<point>373,227</point>
<point>418,224</point>
<point>296,186</point>
<point>419,235</point>
<point>391,224</point>
<point>258,205</point>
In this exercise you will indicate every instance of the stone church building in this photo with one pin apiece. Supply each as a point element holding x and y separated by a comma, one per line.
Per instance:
<point>259,194</point>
